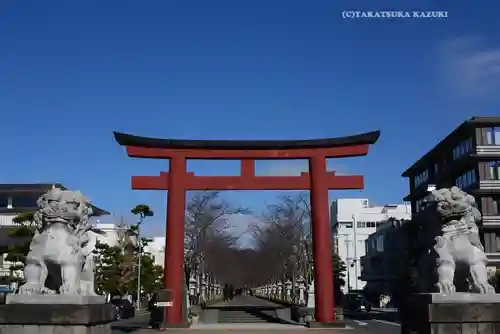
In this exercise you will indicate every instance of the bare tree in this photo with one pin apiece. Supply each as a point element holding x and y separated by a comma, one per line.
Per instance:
<point>206,231</point>
<point>289,222</point>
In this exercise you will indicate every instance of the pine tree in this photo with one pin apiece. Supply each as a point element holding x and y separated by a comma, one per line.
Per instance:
<point>22,235</point>
<point>115,267</point>
<point>338,273</point>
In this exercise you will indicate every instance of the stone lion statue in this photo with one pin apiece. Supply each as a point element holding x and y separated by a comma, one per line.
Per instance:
<point>60,259</point>
<point>458,241</point>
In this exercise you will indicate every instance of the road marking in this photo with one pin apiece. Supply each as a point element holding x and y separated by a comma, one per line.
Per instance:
<point>361,323</point>
<point>387,322</point>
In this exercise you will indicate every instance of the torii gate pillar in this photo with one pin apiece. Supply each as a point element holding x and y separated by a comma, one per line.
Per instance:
<point>174,237</point>
<point>321,233</point>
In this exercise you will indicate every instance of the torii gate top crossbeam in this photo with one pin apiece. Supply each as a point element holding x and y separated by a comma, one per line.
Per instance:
<point>156,148</point>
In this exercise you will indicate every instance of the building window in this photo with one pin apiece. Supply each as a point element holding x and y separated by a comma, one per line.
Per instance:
<point>420,205</point>
<point>467,179</point>
<point>494,173</point>
<point>25,201</point>
<point>436,168</point>
<point>493,136</point>
<point>421,178</point>
<point>360,224</point>
<point>365,224</point>
<point>463,148</point>
<point>497,242</point>
<point>380,243</point>
<point>347,225</point>
<point>496,204</point>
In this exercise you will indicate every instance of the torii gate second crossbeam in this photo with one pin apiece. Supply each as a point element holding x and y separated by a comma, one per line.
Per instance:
<point>318,180</point>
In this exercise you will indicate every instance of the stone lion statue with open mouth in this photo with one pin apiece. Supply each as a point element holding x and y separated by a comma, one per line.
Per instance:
<point>458,241</point>
<point>59,260</point>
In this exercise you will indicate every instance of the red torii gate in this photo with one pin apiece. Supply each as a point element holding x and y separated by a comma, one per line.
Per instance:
<point>177,181</point>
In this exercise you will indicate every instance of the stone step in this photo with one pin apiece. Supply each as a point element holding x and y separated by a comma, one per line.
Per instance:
<point>242,317</point>
<point>243,321</point>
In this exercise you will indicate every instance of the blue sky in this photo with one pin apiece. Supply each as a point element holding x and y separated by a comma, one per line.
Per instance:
<point>71,72</point>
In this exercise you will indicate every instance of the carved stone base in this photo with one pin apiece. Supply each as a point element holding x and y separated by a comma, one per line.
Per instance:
<point>56,318</point>
<point>459,313</point>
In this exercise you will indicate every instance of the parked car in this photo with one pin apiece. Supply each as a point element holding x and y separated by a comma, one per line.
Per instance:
<point>124,308</point>
<point>355,302</point>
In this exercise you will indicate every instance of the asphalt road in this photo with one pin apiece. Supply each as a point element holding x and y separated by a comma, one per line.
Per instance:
<point>374,322</point>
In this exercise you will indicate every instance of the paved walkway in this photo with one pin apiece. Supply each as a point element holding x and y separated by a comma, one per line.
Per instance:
<point>244,329</point>
<point>250,302</point>
<point>246,302</point>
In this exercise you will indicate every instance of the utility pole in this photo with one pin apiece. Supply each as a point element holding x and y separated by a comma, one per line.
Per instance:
<point>348,262</point>
<point>355,242</point>
<point>139,265</point>
<point>143,211</point>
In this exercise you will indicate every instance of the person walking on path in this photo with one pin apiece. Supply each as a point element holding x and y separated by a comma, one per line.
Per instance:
<point>156,313</point>
<point>225,292</point>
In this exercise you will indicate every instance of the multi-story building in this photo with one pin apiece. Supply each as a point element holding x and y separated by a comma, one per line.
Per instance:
<point>468,158</point>
<point>14,200</point>
<point>386,259</point>
<point>353,221</point>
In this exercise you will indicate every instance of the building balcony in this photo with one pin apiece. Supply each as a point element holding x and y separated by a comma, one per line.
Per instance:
<point>491,222</point>
<point>488,150</point>
<point>493,258</point>
<point>7,220</point>
<point>489,185</point>
<point>4,272</point>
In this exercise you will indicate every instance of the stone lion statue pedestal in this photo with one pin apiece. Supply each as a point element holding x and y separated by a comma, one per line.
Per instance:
<point>458,313</point>
<point>59,295</point>
<point>454,251</point>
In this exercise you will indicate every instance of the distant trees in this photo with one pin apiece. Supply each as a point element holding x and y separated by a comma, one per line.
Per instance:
<point>22,234</point>
<point>116,269</point>
<point>207,239</point>
<point>117,266</point>
<point>284,236</point>
<point>339,270</point>
<point>284,243</point>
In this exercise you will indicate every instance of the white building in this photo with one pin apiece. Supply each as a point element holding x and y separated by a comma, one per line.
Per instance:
<point>111,234</point>
<point>353,220</point>
<point>157,249</point>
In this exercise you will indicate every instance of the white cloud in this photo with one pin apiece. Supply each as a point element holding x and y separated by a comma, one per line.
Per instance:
<point>471,68</point>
